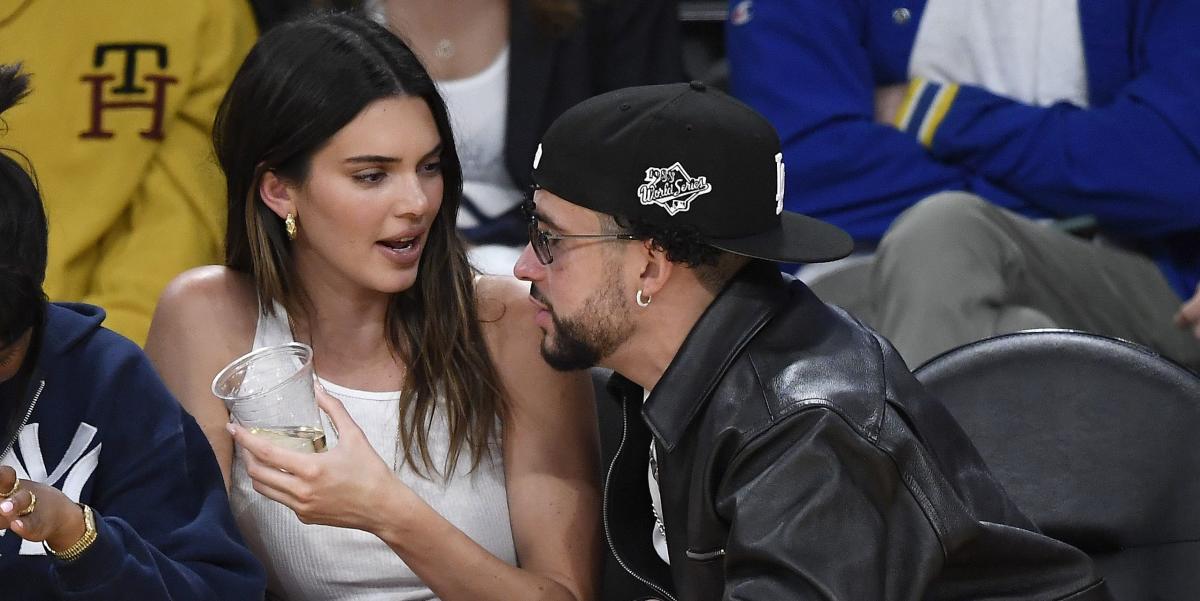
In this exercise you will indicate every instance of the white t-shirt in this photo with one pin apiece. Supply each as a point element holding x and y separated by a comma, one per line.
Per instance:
<point>478,113</point>
<point>658,534</point>
<point>478,108</point>
<point>1027,50</point>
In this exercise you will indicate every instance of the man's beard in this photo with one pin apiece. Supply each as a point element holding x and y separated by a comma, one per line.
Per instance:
<point>594,333</point>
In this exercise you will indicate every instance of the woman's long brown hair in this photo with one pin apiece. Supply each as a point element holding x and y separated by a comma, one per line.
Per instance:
<point>300,84</point>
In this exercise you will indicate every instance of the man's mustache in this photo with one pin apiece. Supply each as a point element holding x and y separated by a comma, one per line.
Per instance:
<point>539,297</point>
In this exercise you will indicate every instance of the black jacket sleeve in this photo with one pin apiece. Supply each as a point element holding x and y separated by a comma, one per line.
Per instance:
<point>819,510</point>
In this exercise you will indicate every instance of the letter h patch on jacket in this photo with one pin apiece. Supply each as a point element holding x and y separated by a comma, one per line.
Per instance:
<point>130,93</point>
<point>73,470</point>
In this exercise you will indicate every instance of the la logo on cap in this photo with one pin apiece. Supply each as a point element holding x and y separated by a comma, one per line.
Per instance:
<point>672,188</point>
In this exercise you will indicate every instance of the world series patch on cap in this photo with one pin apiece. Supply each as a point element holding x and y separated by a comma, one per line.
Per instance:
<point>683,155</point>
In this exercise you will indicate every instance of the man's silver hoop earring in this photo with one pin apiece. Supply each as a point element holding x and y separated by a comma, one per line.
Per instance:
<point>643,302</point>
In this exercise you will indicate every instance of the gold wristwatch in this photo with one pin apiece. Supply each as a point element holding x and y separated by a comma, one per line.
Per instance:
<point>89,536</point>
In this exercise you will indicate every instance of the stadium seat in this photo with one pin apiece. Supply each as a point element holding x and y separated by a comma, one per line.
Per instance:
<point>1098,442</point>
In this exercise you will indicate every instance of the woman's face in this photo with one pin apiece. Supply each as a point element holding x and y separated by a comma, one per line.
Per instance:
<point>364,214</point>
<point>13,355</point>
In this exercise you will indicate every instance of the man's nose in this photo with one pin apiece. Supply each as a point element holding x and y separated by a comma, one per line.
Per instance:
<point>528,267</point>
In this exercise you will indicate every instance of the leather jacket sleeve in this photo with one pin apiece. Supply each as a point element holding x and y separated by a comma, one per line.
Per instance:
<point>808,500</point>
<point>818,509</point>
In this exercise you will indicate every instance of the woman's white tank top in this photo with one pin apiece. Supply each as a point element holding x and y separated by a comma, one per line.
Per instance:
<point>310,562</point>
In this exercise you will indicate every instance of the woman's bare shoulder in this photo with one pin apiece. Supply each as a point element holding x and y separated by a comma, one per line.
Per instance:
<point>515,343</point>
<point>205,318</point>
<point>213,303</point>
<point>504,307</point>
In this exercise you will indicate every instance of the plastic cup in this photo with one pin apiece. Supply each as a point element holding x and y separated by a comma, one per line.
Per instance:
<point>269,391</point>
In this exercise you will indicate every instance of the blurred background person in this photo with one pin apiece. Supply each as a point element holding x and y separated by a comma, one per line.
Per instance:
<point>464,468</point>
<point>961,129</point>
<point>108,489</point>
<point>119,130</point>
<point>269,13</point>
<point>507,68</point>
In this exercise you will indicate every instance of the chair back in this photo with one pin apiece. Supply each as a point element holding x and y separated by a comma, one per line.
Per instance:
<point>1097,440</point>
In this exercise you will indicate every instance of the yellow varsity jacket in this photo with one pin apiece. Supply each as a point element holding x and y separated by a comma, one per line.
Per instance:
<point>117,129</point>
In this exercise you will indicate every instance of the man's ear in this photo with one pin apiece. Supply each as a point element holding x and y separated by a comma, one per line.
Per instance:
<point>277,193</point>
<point>656,271</point>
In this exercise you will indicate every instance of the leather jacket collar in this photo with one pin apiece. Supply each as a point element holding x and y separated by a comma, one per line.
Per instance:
<point>746,304</point>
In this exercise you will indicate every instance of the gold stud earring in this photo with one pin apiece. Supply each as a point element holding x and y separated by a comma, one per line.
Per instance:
<point>289,225</point>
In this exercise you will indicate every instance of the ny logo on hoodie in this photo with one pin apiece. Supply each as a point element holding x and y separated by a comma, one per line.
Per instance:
<point>73,470</point>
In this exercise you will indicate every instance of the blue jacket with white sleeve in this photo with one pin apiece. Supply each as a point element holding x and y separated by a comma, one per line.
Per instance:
<point>1131,160</point>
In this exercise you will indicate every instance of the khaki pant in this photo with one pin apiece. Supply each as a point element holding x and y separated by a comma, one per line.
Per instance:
<point>953,269</point>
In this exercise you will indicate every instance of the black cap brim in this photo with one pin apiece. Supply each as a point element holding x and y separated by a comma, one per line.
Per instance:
<point>798,239</point>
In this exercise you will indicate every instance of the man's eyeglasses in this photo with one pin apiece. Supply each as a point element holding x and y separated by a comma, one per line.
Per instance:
<point>540,239</point>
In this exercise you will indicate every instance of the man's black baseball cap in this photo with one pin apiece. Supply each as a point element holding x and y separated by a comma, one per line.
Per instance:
<point>683,155</point>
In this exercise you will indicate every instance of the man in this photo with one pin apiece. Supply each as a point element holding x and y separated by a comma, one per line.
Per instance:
<point>774,447</point>
<point>1073,111</point>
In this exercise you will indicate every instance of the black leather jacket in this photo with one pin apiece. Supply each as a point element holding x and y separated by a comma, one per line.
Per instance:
<point>799,459</point>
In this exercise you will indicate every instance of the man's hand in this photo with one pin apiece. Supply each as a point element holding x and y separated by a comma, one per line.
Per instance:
<point>888,100</point>
<point>1188,317</point>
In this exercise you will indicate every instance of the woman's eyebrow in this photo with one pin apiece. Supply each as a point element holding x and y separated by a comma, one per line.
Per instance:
<point>372,158</point>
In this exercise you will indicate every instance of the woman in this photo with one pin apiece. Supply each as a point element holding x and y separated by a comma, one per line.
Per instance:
<point>459,453</point>
<point>507,68</point>
<point>107,488</point>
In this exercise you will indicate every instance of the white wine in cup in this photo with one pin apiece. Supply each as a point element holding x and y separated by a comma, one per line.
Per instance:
<point>269,391</point>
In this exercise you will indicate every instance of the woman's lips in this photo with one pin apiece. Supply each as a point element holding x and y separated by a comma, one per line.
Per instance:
<point>401,251</point>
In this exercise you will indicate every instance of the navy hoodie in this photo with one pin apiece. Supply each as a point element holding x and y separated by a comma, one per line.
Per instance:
<point>104,429</point>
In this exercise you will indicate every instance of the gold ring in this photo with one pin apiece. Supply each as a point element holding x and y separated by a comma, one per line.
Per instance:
<point>32,505</point>
<point>15,488</point>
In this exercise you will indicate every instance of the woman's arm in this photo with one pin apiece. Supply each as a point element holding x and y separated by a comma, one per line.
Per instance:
<point>551,451</point>
<point>204,319</point>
